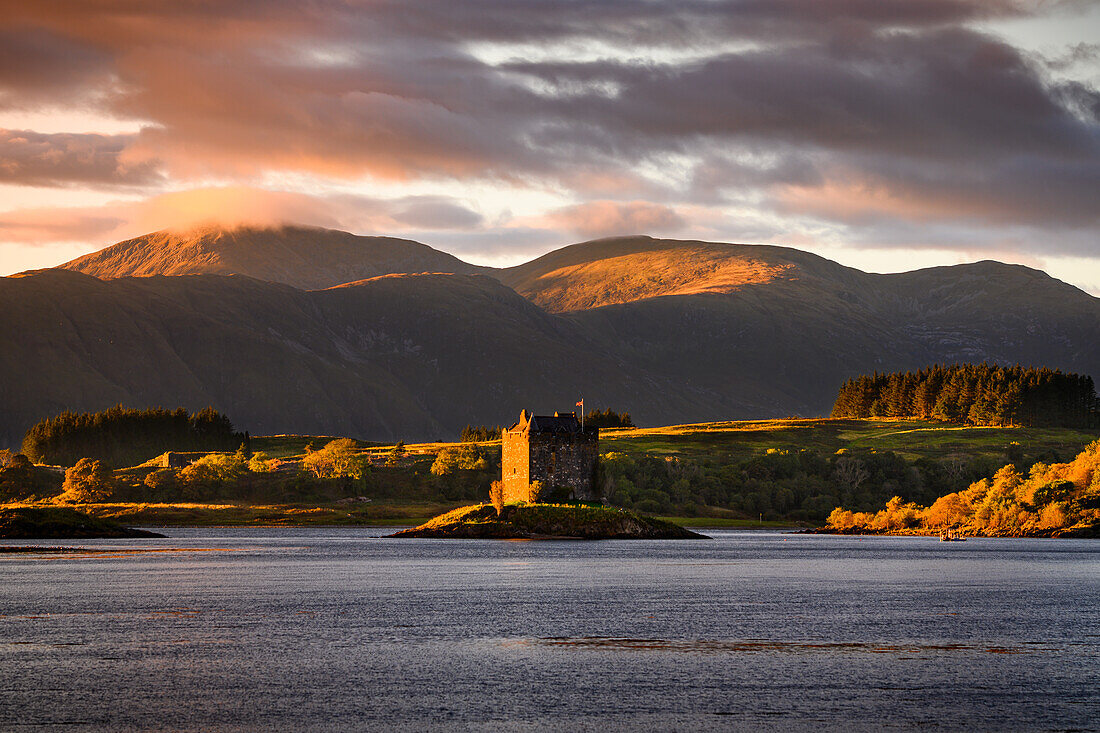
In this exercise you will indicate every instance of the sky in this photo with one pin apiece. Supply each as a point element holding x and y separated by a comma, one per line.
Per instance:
<point>885,134</point>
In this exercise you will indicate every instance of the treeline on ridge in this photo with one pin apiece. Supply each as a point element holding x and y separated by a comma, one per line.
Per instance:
<point>122,436</point>
<point>976,394</point>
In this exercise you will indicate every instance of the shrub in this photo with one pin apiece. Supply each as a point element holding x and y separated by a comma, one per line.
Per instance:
<point>260,463</point>
<point>496,496</point>
<point>210,474</point>
<point>163,482</point>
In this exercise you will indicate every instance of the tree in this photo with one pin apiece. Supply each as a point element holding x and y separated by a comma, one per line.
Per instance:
<point>463,457</point>
<point>19,478</point>
<point>608,419</point>
<point>206,476</point>
<point>87,482</point>
<point>850,473</point>
<point>393,458</point>
<point>979,394</point>
<point>125,437</point>
<point>338,459</point>
<point>496,496</point>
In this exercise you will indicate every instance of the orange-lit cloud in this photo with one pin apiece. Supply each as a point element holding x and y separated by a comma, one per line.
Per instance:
<point>231,206</point>
<point>606,218</point>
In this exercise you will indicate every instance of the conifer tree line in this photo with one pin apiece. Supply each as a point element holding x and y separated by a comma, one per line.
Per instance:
<point>608,419</point>
<point>975,394</point>
<point>123,437</point>
<point>476,433</point>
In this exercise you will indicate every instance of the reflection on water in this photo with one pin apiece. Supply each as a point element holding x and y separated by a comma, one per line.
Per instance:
<point>714,646</point>
<point>334,629</point>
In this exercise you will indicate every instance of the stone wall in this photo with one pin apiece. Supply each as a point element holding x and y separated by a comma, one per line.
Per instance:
<point>565,461</point>
<point>557,460</point>
<point>515,465</point>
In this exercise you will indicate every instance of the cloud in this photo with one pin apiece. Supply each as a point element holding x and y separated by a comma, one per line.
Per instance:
<point>863,114</point>
<point>608,218</point>
<point>35,159</point>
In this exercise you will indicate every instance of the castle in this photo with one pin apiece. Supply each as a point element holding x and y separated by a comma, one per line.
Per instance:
<point>554,451</point>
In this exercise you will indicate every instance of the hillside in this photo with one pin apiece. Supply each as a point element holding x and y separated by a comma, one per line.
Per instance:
<point>305,257</point>
<point>781,343</point>
<point>391,357</point>
<point>629,269</point>
<point>329,333</point>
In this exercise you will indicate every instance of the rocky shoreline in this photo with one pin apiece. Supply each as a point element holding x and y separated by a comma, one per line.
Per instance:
<point>548,521</point>
<point>56,522</point>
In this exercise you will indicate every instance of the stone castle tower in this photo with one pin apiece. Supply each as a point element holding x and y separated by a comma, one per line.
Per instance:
<point>554,450</point>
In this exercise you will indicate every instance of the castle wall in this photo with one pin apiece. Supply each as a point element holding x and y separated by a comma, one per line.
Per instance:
<point>565,461</point>
<point>515,466</point>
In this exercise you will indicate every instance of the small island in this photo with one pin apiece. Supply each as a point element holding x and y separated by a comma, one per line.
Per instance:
<point>548,490</point>
<point>52,523</point>
<point>548,521</point>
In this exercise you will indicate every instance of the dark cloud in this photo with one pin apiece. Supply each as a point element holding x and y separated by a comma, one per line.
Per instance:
<point>845,110</point>
<point>434,212</point>
<point>39,66</point>
<point>35,159</point>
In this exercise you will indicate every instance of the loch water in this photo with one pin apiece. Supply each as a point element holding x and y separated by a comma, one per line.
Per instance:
<point>339,629</point>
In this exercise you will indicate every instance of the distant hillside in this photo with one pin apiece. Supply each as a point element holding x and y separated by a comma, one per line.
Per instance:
<point>387,358</point>
<point>629,269</point>
<point>775,330</point>
<point>666,330</point>
<point>305,257</point>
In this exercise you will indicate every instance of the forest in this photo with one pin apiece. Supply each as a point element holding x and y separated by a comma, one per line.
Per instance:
<point>124,437</point>
<point>974,394</point>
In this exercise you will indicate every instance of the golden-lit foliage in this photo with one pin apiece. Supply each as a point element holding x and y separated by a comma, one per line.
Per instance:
<point>260,462</point>
<point>1049,499</point>
<point>338,459</point>
<point>88,481</point>
<point>213,468</point>
<point>461,457</point>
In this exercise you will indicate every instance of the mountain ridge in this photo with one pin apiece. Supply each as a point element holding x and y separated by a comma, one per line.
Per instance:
<point>670,330</point>
<point>308,258</point>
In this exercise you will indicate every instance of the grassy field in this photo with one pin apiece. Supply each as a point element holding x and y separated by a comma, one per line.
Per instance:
<point>911,438</point>
<point>741,439</point>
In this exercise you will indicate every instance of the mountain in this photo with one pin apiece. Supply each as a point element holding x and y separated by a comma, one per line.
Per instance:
<point>669,330</point>
<point>774,330</point>
<point>305,257</point>
<point>393,357</point>
<point>628,269</point>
